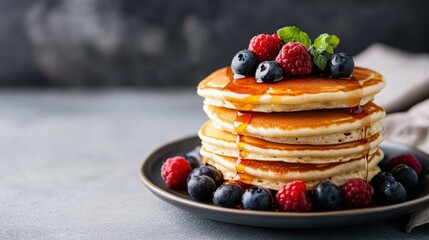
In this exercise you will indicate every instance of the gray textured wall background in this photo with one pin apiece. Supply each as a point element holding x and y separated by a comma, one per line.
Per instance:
<point>108,42</point>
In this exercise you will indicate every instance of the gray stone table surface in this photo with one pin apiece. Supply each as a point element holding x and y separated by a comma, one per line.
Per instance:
<point>69,169</point>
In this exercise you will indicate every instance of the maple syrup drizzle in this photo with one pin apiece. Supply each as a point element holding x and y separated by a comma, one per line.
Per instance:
<point>243,115</point>
<point>359,113</point>
<point>247,86</point>
<point>241,122</point>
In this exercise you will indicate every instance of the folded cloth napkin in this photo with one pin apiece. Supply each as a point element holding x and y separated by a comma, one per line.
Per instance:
<point>410,128</point>
<point>407,78</point>
<point>406,74</point>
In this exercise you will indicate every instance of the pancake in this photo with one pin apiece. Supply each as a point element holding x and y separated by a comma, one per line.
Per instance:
<point>315,127</point>
<point>292,94</point>
<point>225,143</point>
<point>311,128</point>
<point>272,175</point>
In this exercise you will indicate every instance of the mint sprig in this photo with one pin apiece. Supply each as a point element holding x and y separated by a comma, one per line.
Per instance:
<point>326,42</point>
<point>294,34</point>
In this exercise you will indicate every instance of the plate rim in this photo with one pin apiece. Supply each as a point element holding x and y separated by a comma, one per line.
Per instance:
<point>167,196</point>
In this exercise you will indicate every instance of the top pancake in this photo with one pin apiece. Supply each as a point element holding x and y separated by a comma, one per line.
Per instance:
<point>292,94</point>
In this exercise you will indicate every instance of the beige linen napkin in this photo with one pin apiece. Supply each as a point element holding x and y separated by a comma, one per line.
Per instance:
<point>407,78</point>
<point>406,74</point>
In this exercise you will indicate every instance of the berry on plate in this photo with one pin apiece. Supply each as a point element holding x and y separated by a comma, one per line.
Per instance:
<point>292,197</point>
<point>201,188</point>
<point>175,171</point>
<point>327,196</point>
<point>294,59</point>
<point>257,198</point>
<point>390,193</point>
<point>193,161</point>
<point>266,47</point>
<point>268,72</point>
<point>228,195</point>
<point>357,193</point>
<point>407,159</point>
<point>406,176</point>
<point>380,178</point>
<point>208,170</point>
<point>244,64</point>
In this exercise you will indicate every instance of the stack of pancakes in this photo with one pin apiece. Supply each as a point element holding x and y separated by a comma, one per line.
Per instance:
<point>309,129</point>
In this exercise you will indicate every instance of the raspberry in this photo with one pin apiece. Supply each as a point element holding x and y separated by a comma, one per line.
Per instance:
<point>175,171</point>
<point>292,197</point>
<point>357,193</point>
<point>266,47</point>
<point>407,159</point>
<point>294,59</point>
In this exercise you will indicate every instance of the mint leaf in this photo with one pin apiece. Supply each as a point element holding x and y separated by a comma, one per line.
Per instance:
<point>333,40</point>
<point>319,59</point>
<point>326,42</point>
<point>294,34</point>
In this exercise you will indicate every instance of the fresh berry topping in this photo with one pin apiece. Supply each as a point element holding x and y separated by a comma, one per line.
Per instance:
<point>327,196</point>
<point>357,193</point>
<point>294,59</point>
<point>174,172</point>
<point>406,176</point>
<point>257,198</point>
<point>244,64</point>
<point>390,193</point>
<point>292,197</point>
<point>228,195</point>
<point>341,65</point>
<point>208,170</point>
<point>408,159</point>
<point>266,47</point>
<point>380,178</point>
<point>193,161</point>
<point>268,72</point>
<point>201,188</point>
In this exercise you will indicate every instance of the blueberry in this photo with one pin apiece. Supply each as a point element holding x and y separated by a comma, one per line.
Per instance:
<point>244,63</point>
<point>228,195</point>
<point>406,176</point>
<point>201,188</point>
<point>194,157</point>
<point>257,199</point>
<point>192,160</point>
<point>341,65</point>
<point>315,69</point>
<point>380,178</point>
<point>268,72</point>
<point>390,193</point>
<point>208,170</point>
<point>327,196</point>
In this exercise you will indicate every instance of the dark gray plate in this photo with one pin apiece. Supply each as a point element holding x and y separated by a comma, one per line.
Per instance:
<point>150,174</point>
